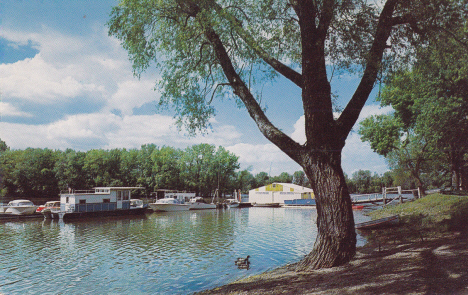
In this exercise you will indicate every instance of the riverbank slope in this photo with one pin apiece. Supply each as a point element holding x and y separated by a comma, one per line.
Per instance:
<point>426,254</point>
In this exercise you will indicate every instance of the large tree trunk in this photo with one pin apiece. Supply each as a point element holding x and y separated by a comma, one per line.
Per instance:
<point>336,239</point>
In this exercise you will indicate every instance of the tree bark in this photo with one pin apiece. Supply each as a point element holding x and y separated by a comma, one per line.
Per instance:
<point>336,239</point>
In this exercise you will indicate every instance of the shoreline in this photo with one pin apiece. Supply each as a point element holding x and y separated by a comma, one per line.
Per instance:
<point>427,254</point>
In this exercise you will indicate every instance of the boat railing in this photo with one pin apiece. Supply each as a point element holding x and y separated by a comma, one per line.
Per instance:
<point>78,192</point>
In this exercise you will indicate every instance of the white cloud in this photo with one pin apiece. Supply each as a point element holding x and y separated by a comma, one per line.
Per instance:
<point>299,131</point>
<point>264,158</point>
<point>66,67</point>
<point>35,80</point>
<point>108,131</point>
<point>356,154</point>
<point>8,110</point>
<point>131,94</point>
<point>299,127</point>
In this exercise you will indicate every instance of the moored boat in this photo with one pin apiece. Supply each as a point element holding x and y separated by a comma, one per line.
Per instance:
<point>169,205</point>
<point>20,207</point>
<point>171,200</point>
<point>232,203</point>
<point>379,223</point>
<point>48,206</point>
<point>136,204</point>
<point>101,201</point>
<point>198,203</point>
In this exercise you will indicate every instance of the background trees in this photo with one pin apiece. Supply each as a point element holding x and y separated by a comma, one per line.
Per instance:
<point>224,48</point>
<point>424,139</point>
<point>40,174</point>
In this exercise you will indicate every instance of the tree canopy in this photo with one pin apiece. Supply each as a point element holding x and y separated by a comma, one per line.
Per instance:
<point>427,131</point>
<point>210,49</point>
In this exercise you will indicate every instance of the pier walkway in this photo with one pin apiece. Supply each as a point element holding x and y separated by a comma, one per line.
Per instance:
<point>388,195</point>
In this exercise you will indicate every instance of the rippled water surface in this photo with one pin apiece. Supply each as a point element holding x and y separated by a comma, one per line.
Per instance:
<point>160,253</point>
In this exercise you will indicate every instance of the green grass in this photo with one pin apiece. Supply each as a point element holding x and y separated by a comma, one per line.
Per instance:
<point>430,216</point>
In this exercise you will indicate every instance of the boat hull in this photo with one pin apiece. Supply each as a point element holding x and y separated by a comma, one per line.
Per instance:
<point>169,207</point>
<point>233,205</point>
<point>21,210</point>
<point>201,206</point>
<point>379,223</point>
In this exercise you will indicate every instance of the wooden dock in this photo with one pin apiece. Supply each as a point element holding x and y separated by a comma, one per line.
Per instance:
<point>7,216</point>
<point>384,198</point>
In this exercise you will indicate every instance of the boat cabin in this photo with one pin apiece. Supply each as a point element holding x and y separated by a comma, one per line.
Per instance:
<point>98,199</point>
<point>183,197</point>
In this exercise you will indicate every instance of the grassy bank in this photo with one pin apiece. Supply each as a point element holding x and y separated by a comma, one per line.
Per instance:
<point>433,216</point>
<point>426,254</point>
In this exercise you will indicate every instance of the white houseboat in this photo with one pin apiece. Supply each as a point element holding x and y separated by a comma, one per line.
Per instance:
<point>101,201</point>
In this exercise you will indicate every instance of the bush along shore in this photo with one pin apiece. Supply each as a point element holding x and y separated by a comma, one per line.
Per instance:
<point>426,254</point>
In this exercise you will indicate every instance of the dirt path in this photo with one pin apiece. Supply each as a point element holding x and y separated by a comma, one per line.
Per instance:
<point>438,266</point>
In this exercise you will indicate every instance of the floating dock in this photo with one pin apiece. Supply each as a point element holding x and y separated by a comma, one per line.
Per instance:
<point>7,216</point>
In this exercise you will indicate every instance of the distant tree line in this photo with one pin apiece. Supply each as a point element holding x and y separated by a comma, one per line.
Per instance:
<point>364,182</point>
<point>41,174</point>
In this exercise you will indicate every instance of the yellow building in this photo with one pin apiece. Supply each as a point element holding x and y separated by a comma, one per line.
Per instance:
<point>279,192</point>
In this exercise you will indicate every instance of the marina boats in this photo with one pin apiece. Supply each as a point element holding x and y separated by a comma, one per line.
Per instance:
<point>169,205</point>
<point>101,201</point>
<point>19,207</point>
<point>198,203</point>
<point>171,201</point>
<point>136,204</point>
<point>379,223</point>
<point>48,206</point>
<point>232,203</point>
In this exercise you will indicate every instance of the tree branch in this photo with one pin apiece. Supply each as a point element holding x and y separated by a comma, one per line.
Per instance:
<point>276,136</point>
<point>351,113</point>
<point>278,66</point>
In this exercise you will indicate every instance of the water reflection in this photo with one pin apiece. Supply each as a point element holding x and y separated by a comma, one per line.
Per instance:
<point>179,252</point>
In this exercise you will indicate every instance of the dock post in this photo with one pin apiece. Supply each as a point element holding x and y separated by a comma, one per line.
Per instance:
<point>384,192</point>
<point>399,194</point>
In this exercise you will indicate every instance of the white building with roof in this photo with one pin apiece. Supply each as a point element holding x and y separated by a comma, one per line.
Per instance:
<point>279,192</point>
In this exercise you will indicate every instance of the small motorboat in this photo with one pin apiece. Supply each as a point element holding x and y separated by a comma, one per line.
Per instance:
<point>20,207</point>
<point>198,203</point>
<point>48,206</point>
<point>232,203</point>
<point>379,223</point>
<point>169,205</point>
<point>136,204</point>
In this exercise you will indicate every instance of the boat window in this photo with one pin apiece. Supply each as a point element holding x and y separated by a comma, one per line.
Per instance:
<point>119,195</point>
<point>106,200</point>
<point>82,201</point>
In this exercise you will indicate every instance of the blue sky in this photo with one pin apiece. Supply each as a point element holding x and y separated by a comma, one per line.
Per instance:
<point>64,83</point>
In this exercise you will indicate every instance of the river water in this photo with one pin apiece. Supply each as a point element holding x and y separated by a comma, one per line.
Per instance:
<point>159,253</point>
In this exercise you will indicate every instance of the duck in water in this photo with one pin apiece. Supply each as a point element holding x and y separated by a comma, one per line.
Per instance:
<point>242,263</point>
